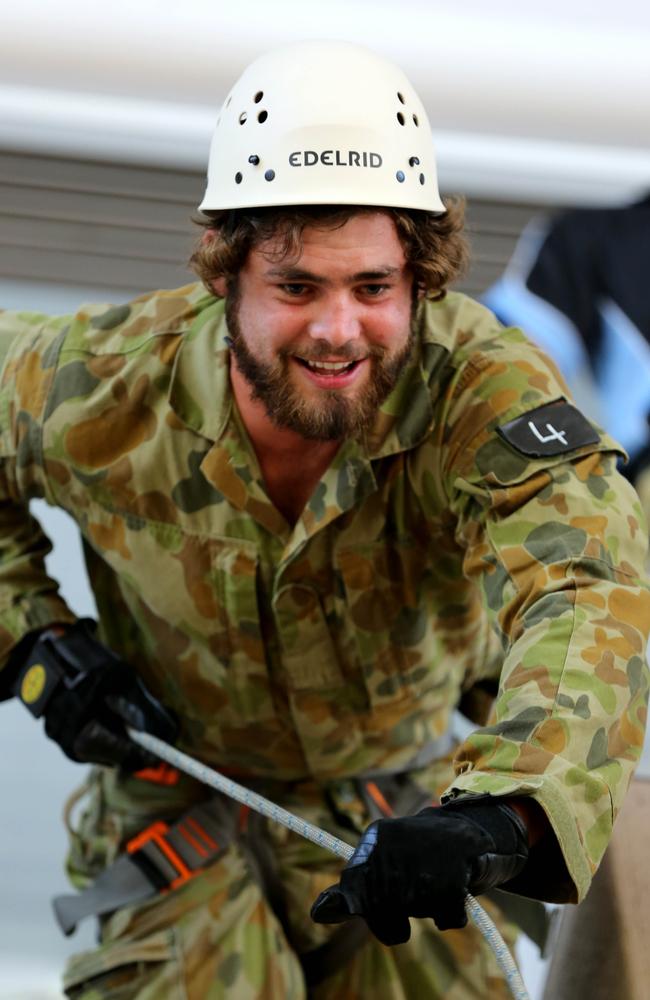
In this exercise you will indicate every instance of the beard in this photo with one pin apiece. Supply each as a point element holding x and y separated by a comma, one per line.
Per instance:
<point>331,416</point>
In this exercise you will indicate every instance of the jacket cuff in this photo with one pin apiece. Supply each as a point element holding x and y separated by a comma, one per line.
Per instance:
<point>557,870</point>
<point>31,614</point>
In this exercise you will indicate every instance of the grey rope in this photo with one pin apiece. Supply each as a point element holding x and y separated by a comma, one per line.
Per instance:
<point>239,793</point>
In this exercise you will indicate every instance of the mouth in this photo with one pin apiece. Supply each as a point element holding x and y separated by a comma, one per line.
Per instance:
<point>331,374</point>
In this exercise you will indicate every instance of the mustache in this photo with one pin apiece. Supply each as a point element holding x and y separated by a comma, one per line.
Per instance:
<point>322,351</point>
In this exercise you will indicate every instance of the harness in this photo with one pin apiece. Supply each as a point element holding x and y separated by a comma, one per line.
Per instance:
<point>164,856</point>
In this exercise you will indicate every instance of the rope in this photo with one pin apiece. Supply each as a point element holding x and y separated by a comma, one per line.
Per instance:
<point>324,839</point>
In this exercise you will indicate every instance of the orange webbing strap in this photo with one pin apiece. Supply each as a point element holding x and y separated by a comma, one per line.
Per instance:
<point>157,834</point>
<point>392,795</point>
<point>180,850</point>
<point>196,836</point>
<point>162,857</point>
<point>163,774</point>
<point>377,797</point>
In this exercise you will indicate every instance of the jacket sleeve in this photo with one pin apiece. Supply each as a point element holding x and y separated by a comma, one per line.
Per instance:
<point>29,598</point>
<point>557,546</point>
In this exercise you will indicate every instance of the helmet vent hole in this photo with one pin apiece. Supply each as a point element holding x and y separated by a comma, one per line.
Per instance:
<point>258,96</point>
<point>254,159</point>
<point>400,117</point>
<point>416,121</point>
<point>269,175</point>
<point>414,161</point>
<point>400,98</point>
<point>421,178</point>
<point>400,176</point>
<point>263,115</point>
<point>243,118</point>
<point>238,178</point>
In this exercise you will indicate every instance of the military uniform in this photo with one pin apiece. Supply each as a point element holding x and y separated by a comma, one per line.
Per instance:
<point>436,556</point>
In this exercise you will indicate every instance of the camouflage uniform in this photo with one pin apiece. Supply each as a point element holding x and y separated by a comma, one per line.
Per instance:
<point>432,558</point>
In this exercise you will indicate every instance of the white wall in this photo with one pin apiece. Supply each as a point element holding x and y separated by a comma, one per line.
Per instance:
<point>546,102</point>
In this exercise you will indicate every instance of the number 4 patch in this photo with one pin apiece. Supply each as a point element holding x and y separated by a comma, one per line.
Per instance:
<point>552,429</point>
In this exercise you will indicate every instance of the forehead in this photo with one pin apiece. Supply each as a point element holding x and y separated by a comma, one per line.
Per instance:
<point>366,242</point>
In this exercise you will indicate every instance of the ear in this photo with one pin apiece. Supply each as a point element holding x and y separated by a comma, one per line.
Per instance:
<point>219,286</point>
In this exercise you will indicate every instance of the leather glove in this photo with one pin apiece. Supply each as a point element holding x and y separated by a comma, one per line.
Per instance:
<point>87,695</point>
<point>424,865</point>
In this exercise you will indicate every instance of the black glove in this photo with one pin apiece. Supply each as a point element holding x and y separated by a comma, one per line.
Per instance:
<point>87,696</point>
<point>424,865</point>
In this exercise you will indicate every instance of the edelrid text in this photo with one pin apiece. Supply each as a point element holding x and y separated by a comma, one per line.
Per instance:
<point>334,158</point>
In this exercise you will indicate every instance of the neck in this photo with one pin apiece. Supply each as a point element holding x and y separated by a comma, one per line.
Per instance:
<point>291,464</point>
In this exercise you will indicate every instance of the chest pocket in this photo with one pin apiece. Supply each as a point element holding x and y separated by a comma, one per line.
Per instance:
<point>389,620</point>
<point>234,568</point>
<point>308,653</point>
<point>204,589</point>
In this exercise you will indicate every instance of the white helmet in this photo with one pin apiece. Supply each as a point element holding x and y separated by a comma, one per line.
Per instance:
<point>322,123</point>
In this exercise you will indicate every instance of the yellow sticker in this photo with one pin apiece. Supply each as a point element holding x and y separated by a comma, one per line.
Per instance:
<point>33,683</point>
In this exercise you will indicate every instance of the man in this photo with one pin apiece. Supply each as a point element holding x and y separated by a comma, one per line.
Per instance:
<point>323,503</point>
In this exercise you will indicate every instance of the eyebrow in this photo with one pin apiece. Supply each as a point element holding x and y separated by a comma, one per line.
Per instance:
<point>296,274</point>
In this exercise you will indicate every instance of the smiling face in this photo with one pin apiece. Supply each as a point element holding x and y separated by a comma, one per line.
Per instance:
<point>320,340</point>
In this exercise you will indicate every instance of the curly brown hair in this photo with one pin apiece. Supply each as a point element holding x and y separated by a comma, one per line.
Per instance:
<point>436,249</point>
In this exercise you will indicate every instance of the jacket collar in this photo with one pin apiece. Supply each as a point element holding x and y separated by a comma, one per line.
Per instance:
<point>201,396</point>
<point>199,392</point>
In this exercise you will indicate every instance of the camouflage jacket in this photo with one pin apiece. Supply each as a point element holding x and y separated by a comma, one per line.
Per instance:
<point>432,555</point>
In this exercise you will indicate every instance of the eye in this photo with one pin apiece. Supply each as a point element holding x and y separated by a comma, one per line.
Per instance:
<point>374,291</point>
<point>294,289</point>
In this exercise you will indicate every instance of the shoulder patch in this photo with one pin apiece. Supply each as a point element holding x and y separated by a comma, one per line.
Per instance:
<point>552,429</point>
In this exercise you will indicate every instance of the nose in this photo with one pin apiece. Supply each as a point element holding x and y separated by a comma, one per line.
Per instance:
<point>336,321</point>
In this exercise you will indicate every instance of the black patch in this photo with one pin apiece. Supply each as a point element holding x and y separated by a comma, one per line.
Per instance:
<point>552,429</point>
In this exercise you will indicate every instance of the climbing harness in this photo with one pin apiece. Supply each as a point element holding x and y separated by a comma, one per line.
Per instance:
<point>208,776</point>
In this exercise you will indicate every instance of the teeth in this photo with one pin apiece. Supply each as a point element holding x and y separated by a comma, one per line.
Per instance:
<point>329,366</point>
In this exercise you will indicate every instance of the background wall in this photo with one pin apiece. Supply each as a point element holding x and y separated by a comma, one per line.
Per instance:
<point>120,228</point>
